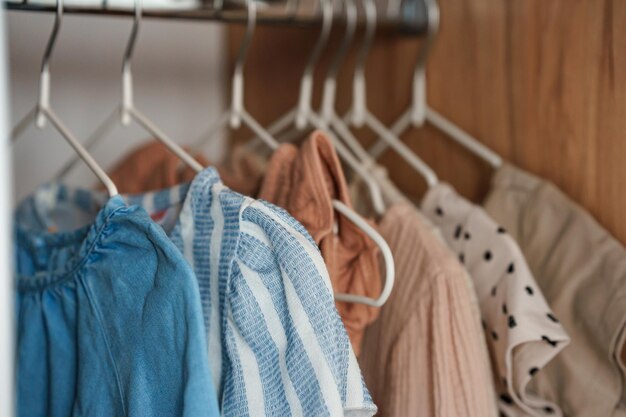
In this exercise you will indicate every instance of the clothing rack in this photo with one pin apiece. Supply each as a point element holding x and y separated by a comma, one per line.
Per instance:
<point>403,16</point>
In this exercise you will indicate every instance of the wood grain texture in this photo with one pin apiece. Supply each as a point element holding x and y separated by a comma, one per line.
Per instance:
<point>542,83</point>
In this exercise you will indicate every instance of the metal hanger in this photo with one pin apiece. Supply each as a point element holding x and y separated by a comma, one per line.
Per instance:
<point>390,271</point>
<point>310,118</point>
<point>237,113</point>
<point>420,112</point>
<point>328,113</point>
<point>360,115</point>
<point>303,116</point>
<point>314,119</point>
<point>42,112</point>
<point>129,112</point>
<point>298,115</point>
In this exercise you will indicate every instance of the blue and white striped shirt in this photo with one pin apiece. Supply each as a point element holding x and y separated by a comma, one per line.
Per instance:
<point>276,343</point>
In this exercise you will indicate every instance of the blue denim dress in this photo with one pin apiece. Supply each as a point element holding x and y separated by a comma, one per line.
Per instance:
<point>109,322</point>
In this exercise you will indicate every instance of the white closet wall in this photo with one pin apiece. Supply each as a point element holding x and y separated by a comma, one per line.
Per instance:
<point>179,73</point>
<point>6,246</point>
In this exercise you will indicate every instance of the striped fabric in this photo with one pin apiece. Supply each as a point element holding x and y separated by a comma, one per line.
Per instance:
<point>276,343</point>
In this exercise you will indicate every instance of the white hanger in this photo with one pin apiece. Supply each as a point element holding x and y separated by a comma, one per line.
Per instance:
<point>390,271</point>
<point>327,111</point>
<point>303,115</point>
<point>360,115</point>
<point>43,112</point>
<point>419,112</point>
<point>299,113</point>
<point>128,111</point>
<point>237,113</point>
<point>312,119</point>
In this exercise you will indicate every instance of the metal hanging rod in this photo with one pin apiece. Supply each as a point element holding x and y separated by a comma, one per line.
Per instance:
<point>404,16</point>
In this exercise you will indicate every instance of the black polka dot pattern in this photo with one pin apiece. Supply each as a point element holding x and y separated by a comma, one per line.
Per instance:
<point>512,323</point>
<point>552,318</point>
<point>509,298</point>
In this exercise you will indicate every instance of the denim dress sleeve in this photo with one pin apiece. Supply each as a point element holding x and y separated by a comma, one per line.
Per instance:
<point>152,328</point>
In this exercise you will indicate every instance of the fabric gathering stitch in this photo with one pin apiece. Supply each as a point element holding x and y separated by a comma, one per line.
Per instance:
<point>267,302</point>
<point>522,332</point>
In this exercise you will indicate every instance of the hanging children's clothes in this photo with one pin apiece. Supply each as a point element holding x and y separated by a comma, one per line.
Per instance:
<point>523,332</point>
<point>109,318</point>
<point>305,181</point>
<point>276,344</point>
<point>152,166</point>
<point>275,337</point>
<point>425,355</point>
<point>581,269</point>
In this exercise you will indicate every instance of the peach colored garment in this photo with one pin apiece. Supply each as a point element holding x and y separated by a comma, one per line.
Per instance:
<point>152,166</point>
<point>425,356</point>
<point>305,181</point>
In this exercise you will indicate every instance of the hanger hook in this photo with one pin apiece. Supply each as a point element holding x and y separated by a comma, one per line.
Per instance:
<point>291,8</point>
<point>358,87</point>
<point>330,82</point>
<point>218,6</point>
<point>127,75</point>
<point>237,98</point>
<point>418,108</point>
<point>44,79</point>
<point>306,85</point>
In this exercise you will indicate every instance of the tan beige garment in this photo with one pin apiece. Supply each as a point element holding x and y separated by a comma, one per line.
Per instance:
<point>152,166</point>
<point>581,270</point>
<point>425,355</point>
<point>304,181</point>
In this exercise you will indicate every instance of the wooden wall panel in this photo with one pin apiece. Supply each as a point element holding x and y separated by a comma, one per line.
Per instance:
<point>542,83</point>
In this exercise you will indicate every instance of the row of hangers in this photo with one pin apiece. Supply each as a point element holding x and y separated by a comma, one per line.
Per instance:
<point>291,124</point>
